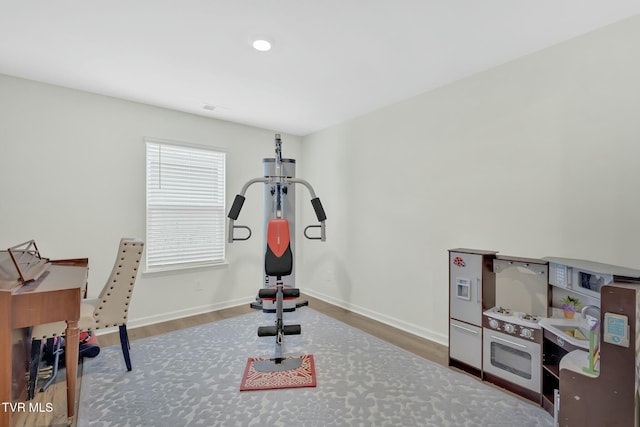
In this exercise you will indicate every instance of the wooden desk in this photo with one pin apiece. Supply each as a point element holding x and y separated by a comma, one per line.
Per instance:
<point>55,296</point>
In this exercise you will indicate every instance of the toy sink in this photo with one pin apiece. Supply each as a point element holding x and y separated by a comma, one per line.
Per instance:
<point>574,331</point>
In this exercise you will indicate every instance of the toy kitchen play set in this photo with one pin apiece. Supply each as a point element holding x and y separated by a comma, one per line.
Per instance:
<point>562,333</point>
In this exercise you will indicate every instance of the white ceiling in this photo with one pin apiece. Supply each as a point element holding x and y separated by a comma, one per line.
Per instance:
<point>332,59</point>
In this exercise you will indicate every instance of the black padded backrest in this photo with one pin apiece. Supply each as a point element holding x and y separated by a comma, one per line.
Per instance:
<point>278,260</point>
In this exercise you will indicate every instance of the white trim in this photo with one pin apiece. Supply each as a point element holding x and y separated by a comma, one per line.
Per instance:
<point>153,139</point>
<point>179,314</point>
<point>388,320</point>
<point>178,270</point>
<point>380,317</point>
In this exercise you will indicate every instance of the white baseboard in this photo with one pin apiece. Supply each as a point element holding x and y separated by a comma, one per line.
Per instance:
<point>380,317</point>
<point>178,314</point>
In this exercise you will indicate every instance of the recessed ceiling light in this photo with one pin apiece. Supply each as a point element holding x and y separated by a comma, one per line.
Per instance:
<point>262,45</point>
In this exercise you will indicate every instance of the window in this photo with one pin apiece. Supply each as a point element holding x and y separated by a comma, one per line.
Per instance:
<point>185,206</point>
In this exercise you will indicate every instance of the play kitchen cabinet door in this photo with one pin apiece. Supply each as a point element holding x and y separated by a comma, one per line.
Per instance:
<point>471,290</point>
<point>471,285</point>
<point>465,343</point>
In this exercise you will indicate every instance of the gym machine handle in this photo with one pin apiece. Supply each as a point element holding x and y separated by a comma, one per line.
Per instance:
<point>233,215</point>
<point>235,208</point>
<point>321,215</point>
<point>234,212</point>
<point>317,206</point>
<point>312,237</point>
<point>244,227</point>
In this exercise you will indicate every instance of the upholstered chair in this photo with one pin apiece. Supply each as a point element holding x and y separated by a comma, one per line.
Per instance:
<point>109,310</point>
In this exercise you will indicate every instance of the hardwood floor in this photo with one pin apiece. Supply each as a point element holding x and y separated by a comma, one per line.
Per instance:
<point>422,347</point>
<point>56,394</point>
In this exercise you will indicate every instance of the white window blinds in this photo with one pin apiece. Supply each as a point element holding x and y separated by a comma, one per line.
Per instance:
<point>185,206</point>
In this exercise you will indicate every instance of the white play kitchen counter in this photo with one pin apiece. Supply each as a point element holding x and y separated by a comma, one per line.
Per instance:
<point>559,326</point>
<point>577,361</point>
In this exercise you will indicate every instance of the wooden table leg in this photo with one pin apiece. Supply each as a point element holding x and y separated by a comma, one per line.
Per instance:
<point>71,355</point>
<point>6,358</point>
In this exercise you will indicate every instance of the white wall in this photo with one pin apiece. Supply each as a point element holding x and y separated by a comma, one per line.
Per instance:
<point>72,177</point>
<point>538,157</point>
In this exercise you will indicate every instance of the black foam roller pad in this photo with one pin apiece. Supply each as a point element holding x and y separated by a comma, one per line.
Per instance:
<point>291,292</point>
<point>317,206</point>
<point>267,293</point>
<point>267,331</point>
<point>235,208</point>
<point>292,329</point>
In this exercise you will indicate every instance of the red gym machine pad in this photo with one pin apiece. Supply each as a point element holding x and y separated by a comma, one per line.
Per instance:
<point>278,236</point>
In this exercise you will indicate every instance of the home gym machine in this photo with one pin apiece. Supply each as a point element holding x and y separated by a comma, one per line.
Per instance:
<point>279,209</point>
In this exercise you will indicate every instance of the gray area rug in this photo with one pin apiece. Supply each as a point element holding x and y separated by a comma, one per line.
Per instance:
<point>192,377</point>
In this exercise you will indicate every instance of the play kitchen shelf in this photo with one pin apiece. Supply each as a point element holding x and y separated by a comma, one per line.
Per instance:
<point>555,346</point>
<point>584,277</point>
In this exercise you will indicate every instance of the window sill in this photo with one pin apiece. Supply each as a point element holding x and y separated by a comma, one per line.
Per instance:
<point>183,269</point>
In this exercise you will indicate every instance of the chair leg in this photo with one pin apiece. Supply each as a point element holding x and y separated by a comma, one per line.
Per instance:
<point>56,360</point>
<point>124,342</point>
<point>34,365</point>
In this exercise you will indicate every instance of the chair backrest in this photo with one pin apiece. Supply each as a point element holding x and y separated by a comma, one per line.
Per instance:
<point>113,302</point>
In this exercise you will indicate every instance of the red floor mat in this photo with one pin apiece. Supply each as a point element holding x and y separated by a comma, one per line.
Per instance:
<point>303,376</point>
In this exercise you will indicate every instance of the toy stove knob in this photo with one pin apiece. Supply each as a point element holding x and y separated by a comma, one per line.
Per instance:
<point>508,327</point>
<point>494,323</point>
<point>526,333</point>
